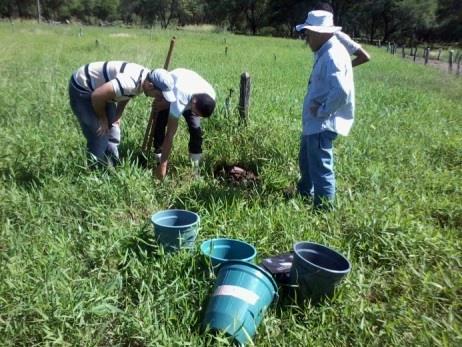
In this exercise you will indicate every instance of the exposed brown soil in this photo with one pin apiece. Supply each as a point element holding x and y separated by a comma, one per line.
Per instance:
<point>235,174</point>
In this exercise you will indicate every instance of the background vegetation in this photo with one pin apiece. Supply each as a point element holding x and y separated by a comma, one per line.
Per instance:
<point>78,262</point>
<point>386,20</point>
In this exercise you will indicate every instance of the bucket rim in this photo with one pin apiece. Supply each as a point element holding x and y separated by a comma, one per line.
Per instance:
<point>347,270</point>
<point>154,215</point>
<point>208,241</point>
<point>256,267</point>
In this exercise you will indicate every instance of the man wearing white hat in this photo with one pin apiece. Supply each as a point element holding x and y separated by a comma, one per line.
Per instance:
<point>353,47</point>
<point>328,107</point>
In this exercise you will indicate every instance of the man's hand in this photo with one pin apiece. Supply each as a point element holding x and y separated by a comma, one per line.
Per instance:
<point>161,170</point>
<point>103,128</point>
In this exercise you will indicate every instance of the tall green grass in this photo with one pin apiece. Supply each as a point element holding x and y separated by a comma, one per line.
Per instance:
<point>79,265</point>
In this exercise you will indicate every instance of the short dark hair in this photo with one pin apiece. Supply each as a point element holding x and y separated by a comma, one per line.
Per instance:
<point>204,104</point>
<point>323,6</point>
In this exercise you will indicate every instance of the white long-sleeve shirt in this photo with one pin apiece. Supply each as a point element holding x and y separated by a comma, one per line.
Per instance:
<point>331,90</point>
<point>350,45</point>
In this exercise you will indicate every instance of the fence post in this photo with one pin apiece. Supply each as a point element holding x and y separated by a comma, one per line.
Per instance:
<point>427,53</point>
<point>80,32</point>
<point>451,53</point>
<point>415,53</point>
<point>388,47</point>
<point>226,50</point>
<point>458,64</point>
<point>244,97</point>
<point>439,54</point>
<point>403,52</point>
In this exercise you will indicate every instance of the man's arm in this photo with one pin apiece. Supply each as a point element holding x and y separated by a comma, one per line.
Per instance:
<point>167,145</point>
<point>120,109</point>
<point>99,98</point>
<point>339,88</point>
<point>361,57</point>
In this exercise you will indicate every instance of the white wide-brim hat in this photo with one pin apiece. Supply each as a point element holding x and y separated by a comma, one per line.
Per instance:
<point>319,21</point>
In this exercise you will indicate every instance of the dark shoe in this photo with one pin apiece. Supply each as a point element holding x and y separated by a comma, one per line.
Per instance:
<point>293,193</point>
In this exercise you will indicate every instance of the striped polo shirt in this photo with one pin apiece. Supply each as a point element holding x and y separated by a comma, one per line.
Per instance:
<point>126,78</point>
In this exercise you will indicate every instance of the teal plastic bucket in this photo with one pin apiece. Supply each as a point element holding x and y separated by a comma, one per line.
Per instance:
<point>316,270</point>
<point>242,293</point>
<point>221,250</point>
<point>176,229</point>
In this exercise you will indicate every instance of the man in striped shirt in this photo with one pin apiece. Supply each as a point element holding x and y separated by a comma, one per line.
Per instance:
<point>98,94</point>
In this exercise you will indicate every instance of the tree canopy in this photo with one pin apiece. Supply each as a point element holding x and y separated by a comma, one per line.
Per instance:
<point>399,20</point>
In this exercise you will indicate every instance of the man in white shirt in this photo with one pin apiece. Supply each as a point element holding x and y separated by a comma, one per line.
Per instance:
<point>328,107</point>
<point>353,48</point>
<point>194,99</point>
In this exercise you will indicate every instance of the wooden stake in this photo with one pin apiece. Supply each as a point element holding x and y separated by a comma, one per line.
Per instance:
<point>244,97</point>
<point>149,132</point>
<point>451,53</point>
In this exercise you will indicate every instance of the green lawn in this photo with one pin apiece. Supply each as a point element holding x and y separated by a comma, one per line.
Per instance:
<point>80,266</point>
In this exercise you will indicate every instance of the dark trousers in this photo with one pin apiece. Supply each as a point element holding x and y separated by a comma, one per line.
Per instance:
<point>194,127</point>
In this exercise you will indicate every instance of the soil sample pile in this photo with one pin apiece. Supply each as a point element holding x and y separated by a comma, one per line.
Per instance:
<point>235,174</point>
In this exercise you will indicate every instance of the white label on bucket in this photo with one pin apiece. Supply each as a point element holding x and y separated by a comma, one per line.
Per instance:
<point>238,292</point>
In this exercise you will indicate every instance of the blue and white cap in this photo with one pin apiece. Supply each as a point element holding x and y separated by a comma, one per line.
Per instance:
<point>163,80</point>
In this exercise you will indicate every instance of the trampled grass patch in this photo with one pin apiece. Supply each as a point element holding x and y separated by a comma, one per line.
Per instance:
<point>79,263</point>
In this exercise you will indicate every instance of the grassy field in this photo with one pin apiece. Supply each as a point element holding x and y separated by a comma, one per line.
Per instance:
<point>79,265</point>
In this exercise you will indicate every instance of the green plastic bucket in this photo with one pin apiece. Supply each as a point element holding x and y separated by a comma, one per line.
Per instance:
<point>175,229</point>
<point>242,293</point>
<point>221,250</point>
<point>316,270</point>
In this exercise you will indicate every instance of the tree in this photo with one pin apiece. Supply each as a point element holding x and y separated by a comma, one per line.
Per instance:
<point>449,19</point>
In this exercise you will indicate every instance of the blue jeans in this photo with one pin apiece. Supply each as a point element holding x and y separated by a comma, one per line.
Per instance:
<point>102,147</point>
<point>316,161</point>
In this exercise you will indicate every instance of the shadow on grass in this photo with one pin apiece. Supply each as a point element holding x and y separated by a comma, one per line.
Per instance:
<point>22,176</point>
<point>143,246</point>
